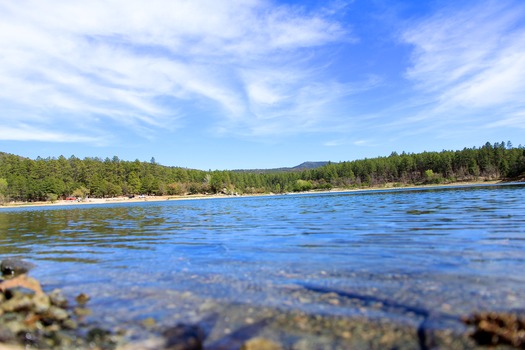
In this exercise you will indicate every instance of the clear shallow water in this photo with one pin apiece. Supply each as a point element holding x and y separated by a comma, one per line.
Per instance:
<point>449,251</point>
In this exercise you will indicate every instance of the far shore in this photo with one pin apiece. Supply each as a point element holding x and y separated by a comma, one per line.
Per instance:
<point>139,199</point>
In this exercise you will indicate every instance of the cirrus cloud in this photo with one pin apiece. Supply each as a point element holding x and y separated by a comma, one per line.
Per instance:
<point>470,60</point>
<point>131,63</point>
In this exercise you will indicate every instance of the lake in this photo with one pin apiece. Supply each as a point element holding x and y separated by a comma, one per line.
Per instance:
<point>308,270</point>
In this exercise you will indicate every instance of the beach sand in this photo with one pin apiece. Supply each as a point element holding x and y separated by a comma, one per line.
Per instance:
<point>139,199</point>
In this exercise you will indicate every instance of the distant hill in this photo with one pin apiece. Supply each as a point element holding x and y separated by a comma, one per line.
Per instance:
<point>309,165</point>
<point>300,167</point>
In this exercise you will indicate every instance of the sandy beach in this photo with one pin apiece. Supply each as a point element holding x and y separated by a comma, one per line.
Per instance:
<point>139,199</point>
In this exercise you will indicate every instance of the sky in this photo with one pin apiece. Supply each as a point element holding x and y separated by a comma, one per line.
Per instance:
<point>247,84</point>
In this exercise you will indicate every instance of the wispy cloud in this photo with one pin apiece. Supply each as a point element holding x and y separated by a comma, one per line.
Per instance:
<point>469,61</point>
<point>336,143</point>
<point>514,120</point>
<point>22,132</point>
<point>70,63</point>
<point>349,142</point>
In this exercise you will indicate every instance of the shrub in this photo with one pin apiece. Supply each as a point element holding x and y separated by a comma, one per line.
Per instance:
<point>302,185</point>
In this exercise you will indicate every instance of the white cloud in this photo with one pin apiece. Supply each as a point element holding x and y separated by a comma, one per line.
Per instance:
<point>287,100</point>
<point>361,142</point>
<point>67,62</point>
<point>28,133</point>
<point>336,143</point>
<point>471,60</point>
<point>516,120</point>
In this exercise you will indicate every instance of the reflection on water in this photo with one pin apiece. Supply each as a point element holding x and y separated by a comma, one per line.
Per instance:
<point>451,250</point>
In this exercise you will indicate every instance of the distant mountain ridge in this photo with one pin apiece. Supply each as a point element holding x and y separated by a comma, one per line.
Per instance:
<point>309,165</point>
<point>300,167</point>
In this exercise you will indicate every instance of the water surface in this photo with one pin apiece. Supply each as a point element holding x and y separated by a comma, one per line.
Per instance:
<point>448,251</point>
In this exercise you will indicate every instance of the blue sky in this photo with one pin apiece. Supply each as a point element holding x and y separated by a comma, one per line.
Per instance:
<point>235,84</point>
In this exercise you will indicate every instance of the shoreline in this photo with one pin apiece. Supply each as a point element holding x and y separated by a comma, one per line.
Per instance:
<point>90,201</point>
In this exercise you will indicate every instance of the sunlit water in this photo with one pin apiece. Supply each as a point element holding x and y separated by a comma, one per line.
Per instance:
<point>450,250</point>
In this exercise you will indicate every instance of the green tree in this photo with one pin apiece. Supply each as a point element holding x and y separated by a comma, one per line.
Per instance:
<point>112,190</point>
<point>134,183</point>
<point>80,192</point>
<point>51,197</point>
<point>3,191</point>
<point>429,175</point>
<point>302,185</point>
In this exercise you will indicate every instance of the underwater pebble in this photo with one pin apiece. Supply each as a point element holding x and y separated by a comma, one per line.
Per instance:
<point>57,298</point>
<point>82,299</point>
<point>41,303</point>
<point>261,344</point>
<point>149,322</point>
<point>57,313</point>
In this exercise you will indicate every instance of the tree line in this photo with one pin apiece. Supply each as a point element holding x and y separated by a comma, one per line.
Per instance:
<point>49,179</point>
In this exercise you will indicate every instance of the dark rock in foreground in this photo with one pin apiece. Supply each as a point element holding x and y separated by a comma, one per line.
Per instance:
<point>15,267</point>
<point>493,328</point>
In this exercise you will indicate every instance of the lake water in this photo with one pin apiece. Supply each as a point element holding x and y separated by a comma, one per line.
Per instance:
<point>404,256</point>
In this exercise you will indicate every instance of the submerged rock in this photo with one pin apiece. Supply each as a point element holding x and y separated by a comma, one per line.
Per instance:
<point>82,299</point>
<point>100,337</point>
<point>34,319</point>
<point>492,328</point>
<point>29,319</point>
<point>184,337</point>
<point>57,298</point>
<point>261,344</point>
